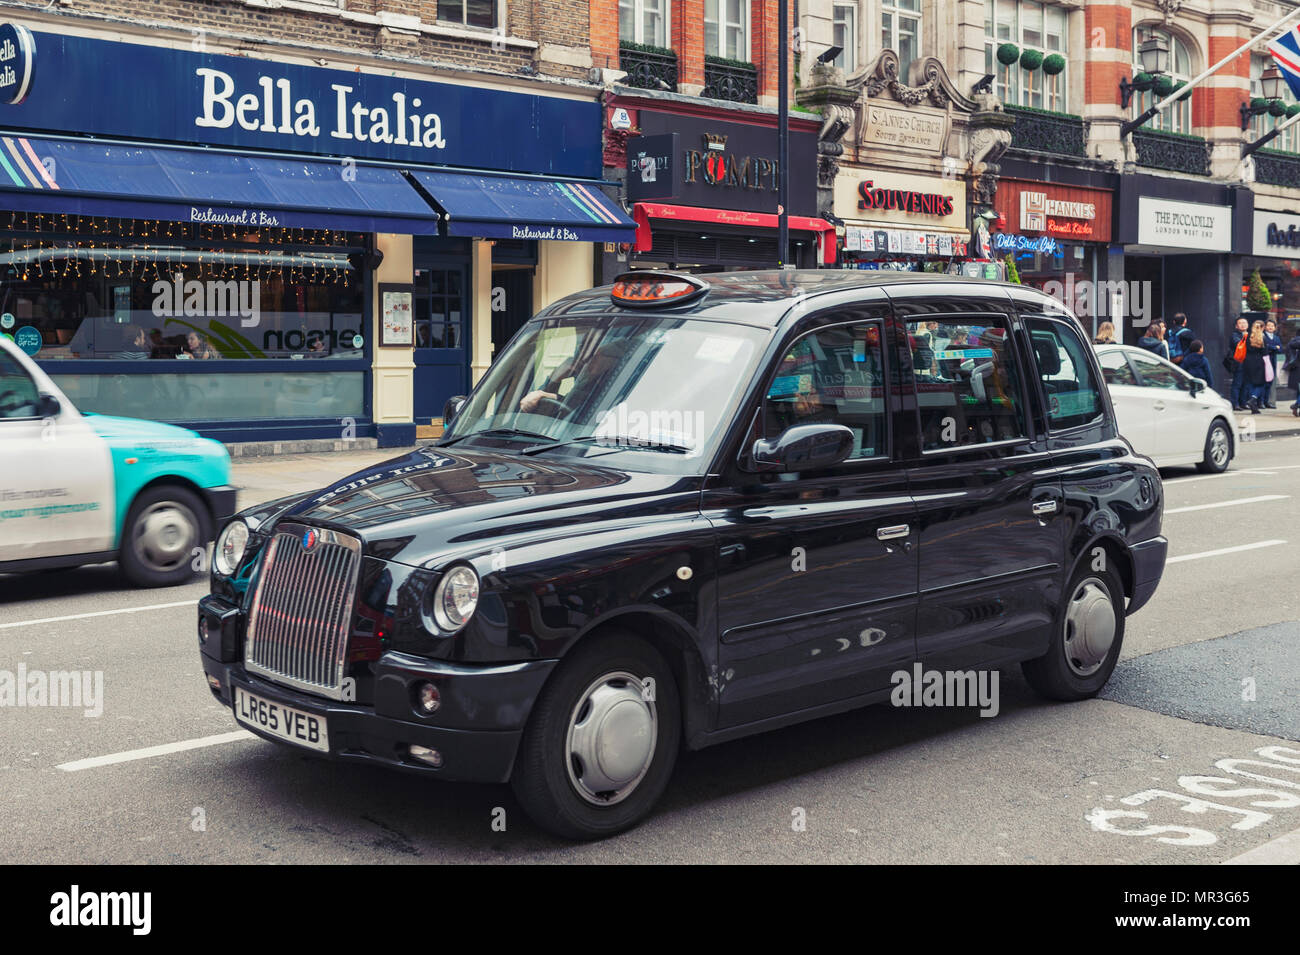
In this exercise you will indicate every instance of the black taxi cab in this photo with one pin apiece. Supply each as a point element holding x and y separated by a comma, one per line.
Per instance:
<point>681,510</point>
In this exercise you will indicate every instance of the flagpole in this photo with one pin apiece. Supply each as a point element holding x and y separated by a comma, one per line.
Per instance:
<point>1272,134</point>
<point>1186,90</point>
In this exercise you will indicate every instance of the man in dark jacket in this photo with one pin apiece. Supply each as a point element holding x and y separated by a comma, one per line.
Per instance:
<point>1272,355</point>
<point>1195,364</point>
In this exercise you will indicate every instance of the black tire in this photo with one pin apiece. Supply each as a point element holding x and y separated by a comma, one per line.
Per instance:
<point>164,525</point>
<point>547,779</point>
<point>1054,675</point>
<point>1208,465</point>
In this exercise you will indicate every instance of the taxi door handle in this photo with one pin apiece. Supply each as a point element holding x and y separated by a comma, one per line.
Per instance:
<point>893,532</point>
<point>1044,507</point>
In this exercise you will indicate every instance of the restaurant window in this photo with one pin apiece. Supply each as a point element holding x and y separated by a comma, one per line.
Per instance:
<point>726,29</point>
<point>900,31</point>
<point>146,290</point>
<point>643,21</point>
<point>844,34</point>
<point>1037,27</point>
<point>1176,118</point>
<point>470,13</point>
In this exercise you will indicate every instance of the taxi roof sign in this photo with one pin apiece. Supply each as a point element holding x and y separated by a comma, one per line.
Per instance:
<point>649,289</point>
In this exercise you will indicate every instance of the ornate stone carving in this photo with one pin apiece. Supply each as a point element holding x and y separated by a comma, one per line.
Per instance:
<point>1169,9</point>
<point>929,81</point>
<point>828,93</point>
<point>989,138</point>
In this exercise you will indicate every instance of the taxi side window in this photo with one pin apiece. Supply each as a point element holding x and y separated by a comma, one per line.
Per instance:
<point>1073,398</point>
<point>18,395</point>
<point>1115,368</point>
<point>834,375</point>
<point>967,382</point>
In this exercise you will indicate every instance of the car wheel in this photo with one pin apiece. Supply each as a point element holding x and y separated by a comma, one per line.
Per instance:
<point>602,739</point>
<point>163,528</point>
<point>1218,449</point>
<point>1086,638</point>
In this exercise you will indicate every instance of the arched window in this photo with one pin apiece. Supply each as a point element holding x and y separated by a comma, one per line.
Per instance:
<point>1030,26</point>
<point>1178,117</point>
<point>1288,139</point>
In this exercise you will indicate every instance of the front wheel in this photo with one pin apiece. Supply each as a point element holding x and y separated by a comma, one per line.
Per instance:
<point>1086,638</point>
<point>164,529</point>
<point>1218,449</point>
<point>602,740</point>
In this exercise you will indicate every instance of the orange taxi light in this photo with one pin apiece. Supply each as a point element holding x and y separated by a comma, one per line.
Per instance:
<point>644,288</point>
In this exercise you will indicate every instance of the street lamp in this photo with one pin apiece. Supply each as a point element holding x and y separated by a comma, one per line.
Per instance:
<point>1153,52</point>
<point>1271,102</point>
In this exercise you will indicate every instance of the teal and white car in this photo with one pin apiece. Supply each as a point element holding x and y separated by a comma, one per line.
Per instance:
<point>85,488</point>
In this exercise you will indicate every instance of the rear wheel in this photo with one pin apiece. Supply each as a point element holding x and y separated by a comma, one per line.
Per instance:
<point>164,527</point>
<point>1086,640</point>
<point>1218,449</point>
<point>602,740</point>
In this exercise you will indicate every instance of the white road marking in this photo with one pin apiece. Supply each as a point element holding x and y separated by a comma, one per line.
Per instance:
<point>1284,850</point>
<point>1223,550</point>
<point>148,752</point>
<point>1172,482</point>
<point>98,613</point>
<point>1240,500</point>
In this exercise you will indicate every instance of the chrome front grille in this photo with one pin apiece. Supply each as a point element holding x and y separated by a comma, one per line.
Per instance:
<point>301,609</point>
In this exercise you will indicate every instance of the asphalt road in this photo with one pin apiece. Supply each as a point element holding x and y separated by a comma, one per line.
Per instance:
<point>1207,676</point>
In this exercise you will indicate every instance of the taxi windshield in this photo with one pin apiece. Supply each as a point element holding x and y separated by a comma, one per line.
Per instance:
<point>650,387</point>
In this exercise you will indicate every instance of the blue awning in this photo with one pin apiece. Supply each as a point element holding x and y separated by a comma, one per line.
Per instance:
<point>499,207</point>
<point>83,177</point>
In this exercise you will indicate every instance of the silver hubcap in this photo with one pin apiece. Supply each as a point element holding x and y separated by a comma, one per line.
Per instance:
<point>1219,447</point>
<point>165,535</point>
<point>611,741</point>
<point>1089,627</point>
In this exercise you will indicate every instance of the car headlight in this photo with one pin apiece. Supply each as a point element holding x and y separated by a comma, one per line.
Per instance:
<point>230,548</point>
<point>455,599</point>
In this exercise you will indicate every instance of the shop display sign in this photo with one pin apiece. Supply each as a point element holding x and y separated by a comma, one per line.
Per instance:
<point>650,167</point>
<point>901,199</point>
<point>133,91</point>
<point>1276,234</point>
<point>1039,213</point>
<point>1184,225</point>
<point>397,315</point>
<point>17,57</point>
<point>1007,242</point>
<point>722,165</point>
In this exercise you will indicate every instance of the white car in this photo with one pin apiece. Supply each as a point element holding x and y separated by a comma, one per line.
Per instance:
<point>87,488</point>
<point>1165,413</point>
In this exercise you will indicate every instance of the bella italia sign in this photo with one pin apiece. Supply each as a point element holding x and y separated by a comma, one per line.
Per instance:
<point>17,56</point>
<point>135,91</point>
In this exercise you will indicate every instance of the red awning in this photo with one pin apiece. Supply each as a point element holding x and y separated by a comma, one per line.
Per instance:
<point>643,212</point>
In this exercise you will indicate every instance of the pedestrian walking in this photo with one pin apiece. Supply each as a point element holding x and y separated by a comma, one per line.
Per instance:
<point>1273,355</point>
<point>1293,371</point>
<point>1256,368</point>
<point>1234,364</point>
<point>1180,338</point>
<point>1154,340</point>
<point>1195,363</point>
<point>1105,334</point>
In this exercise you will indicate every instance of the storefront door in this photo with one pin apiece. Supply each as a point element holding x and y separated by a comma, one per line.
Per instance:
<point>512,305</point>
<point>442,327</point>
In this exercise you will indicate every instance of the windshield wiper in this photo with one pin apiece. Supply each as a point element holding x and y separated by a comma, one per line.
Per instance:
<point>634,444</point>
<point>496,433</point>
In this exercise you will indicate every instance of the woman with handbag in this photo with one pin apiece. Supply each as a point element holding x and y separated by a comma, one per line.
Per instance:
<point>1256,367</point>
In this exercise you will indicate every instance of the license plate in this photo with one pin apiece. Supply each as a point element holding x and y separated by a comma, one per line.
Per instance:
<point>282,722</point>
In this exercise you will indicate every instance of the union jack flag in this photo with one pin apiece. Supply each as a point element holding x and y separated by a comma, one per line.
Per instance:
<point>1286,53</point>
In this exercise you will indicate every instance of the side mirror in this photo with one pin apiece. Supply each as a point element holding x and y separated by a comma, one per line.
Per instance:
<point>1195,386</point>
<point>451,409</point>
<point>805,447</point>
<point>48,407</point>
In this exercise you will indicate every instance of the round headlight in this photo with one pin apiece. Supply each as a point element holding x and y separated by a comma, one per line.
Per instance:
<point>230,548</point>
<point>455,598</point>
